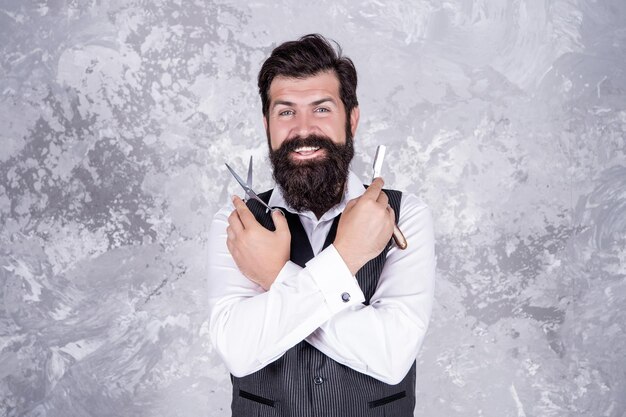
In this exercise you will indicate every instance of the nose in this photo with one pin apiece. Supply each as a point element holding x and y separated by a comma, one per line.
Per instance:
<point>305,124</point>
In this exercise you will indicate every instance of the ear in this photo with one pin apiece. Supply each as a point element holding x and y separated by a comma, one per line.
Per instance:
<point>265,122</point>
<point>354,119</point>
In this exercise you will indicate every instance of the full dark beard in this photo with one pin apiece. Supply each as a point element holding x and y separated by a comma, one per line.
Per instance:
<point>317,184</point>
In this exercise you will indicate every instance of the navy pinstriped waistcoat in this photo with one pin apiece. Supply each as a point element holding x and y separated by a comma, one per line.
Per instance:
<point>306,383</point>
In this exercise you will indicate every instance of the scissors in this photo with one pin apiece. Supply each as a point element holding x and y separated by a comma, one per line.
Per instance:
<point>247,187</point>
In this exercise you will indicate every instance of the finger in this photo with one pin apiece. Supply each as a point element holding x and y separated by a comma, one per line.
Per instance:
<point>280,222</point>
<point>351,203</point>
<point>230,245</point>
<point>391,214</point>
<point>234,223</point>
<point>245,215</point>
<point>383,199</point>
<point>374,189</point>
<point>230,239</point>
<point>234,230</point>
<point>232,248</point>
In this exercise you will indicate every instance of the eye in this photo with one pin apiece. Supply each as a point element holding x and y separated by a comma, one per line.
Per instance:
<point>322,110</point>
<point>286,113</point>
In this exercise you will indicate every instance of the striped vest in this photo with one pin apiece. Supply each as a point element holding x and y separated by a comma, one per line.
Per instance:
<point>306,383</point>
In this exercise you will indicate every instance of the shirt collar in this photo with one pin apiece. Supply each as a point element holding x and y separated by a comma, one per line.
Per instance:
<point>353,190</point>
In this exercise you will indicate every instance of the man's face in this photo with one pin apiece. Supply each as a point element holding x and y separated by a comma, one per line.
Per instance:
<point>310,140</point>
<point>307,106</point>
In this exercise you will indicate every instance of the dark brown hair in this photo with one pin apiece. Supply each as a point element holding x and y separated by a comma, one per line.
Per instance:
<point>306,57</point>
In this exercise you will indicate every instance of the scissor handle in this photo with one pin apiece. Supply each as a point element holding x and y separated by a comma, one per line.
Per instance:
<point>273,209</point>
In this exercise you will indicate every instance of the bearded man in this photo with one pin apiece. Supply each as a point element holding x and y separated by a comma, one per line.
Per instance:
<point>315,312</point>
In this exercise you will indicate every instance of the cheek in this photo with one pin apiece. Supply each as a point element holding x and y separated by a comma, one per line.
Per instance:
<point>275,140</point>
<point>276,135</point>
<point>336,130</point>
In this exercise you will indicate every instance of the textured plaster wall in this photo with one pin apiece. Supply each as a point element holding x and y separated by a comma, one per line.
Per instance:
<point>116,117</point>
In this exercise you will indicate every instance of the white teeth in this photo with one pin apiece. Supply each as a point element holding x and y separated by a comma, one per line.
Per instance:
<point>307,149</point>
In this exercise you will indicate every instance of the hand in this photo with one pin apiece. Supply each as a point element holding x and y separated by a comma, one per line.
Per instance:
<point>365,227</point>
<point>259,253</point>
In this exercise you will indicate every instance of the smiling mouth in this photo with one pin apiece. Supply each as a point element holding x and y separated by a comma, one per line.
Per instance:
<point>307,152</point>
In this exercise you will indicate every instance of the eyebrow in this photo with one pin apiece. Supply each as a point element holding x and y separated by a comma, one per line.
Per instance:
<point>315,103</point>
<point>324,100</point>
<point>282,102</point>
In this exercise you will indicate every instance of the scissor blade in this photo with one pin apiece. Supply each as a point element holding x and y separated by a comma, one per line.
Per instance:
<point>239,180</point>
<point>249,179</point>
<point>378,161</point>
<point>249,191</point>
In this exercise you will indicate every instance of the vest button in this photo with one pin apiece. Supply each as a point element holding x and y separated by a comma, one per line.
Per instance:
<point>345,297</point>
<point>318,380</point>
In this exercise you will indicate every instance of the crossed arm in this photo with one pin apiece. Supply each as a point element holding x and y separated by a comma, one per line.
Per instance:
<point>256,317</point>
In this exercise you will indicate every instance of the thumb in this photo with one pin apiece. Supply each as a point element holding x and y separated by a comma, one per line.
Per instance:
<point>280,222</point>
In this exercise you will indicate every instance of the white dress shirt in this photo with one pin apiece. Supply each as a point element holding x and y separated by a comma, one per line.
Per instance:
<point>251,327</point>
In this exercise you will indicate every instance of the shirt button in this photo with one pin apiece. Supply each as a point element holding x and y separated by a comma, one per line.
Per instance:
<point>318,380</point>
<point>345,297</point>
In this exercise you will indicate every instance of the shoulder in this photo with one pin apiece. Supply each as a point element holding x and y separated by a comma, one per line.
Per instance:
<point>408,201</point>
<point>412,202</point>
<point>220,218</point>
<point>414,210</point>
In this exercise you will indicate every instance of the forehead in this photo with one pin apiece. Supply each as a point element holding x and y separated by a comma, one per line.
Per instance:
<point>322,84</point>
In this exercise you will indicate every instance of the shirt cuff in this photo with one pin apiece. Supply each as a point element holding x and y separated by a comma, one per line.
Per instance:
<point>332,276</point>
<point>290,269</point>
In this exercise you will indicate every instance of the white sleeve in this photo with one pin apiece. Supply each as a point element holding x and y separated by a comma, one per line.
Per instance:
<point>250,327</point>
<point>382,340</point>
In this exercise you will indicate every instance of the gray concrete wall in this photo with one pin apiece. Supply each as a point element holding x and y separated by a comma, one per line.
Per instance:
<point>116,118</point>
